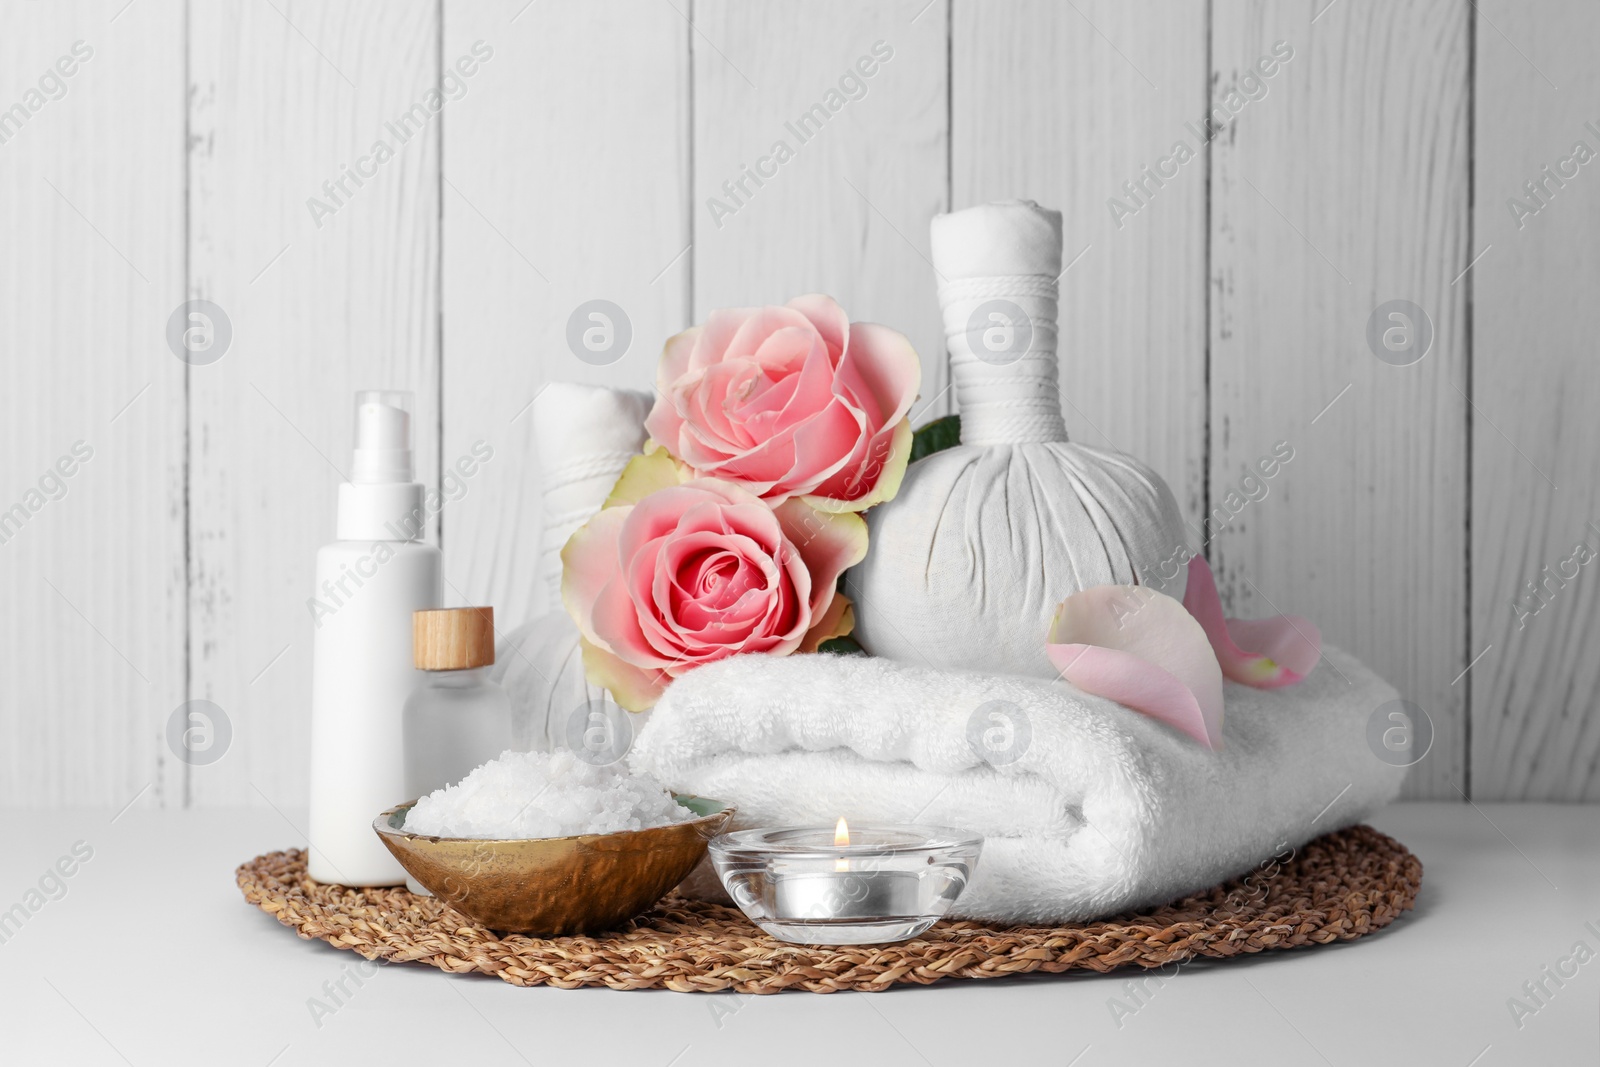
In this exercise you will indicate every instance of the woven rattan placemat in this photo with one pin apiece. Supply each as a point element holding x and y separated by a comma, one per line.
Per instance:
<point>1339,887</point>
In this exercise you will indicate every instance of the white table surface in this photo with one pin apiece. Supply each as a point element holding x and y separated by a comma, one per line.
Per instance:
<point>151,956</point>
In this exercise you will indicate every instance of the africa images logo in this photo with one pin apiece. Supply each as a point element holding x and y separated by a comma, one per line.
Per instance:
<point>852,86</point>
<point>1251,86</point>
<point>338,191</point>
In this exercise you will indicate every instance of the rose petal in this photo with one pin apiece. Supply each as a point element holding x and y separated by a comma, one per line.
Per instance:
<point>710,402</point>
<point>811,385</point>
<point>829,544</point>
<point>1134,683</point>
<point>588,562</point>
<point>797,461</point>
<point>615,624</point>
<point>827,316</point>
<point>737,606</point>
<point>698,504</point>
<point>1264,653</point>
<point>798,600</point>
<point>760,469</point>
<point>664,423</point>
<point>721,326</point>
<point>1141,649</point>
<point>838,620</point>
<point>643,475</point>
<point>784,352</point>
<point>761,323</point>
<point>632,688</point>
<point>889,452</point>
<point>882,372</point>
<point>675,357</point>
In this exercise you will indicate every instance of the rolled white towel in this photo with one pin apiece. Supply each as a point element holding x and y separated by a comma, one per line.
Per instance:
<point>585,435</point>
<point>1090,810</point>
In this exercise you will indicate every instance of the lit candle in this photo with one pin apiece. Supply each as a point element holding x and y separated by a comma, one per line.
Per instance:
<point>862,892</point>
<point>870,884</point>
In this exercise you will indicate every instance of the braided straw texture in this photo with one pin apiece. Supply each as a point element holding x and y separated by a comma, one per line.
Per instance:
<point>1339,887</point>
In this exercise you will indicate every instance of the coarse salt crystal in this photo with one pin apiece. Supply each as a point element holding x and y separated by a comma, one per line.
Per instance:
<point>544,794</point>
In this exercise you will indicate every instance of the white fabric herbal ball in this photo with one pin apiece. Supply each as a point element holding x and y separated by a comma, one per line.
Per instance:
<point>968,562</point>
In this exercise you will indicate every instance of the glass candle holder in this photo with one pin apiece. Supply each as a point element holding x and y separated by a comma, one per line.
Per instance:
<point>845,886</point>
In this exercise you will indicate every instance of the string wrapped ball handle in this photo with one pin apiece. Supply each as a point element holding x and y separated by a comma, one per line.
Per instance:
<point>998,295</point>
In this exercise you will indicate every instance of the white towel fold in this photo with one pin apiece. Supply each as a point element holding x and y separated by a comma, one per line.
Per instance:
<point>1099,810</point>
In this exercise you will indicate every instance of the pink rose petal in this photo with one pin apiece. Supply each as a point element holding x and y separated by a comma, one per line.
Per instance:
<point>828,545</point>
<point>676,354</point>
<point>1134,683</point>
<point>787,350</point>
<point>664,424</point>
<point>614,621</point>
<point>713,343</point>
<point>827,316</point>
<point>1161,664</point>
<point>839,620</point>
<point>870,477</point>
<point>644,474</point>
<point>882,371</point>
<point>633,688</point>
<point>816,449</point>
<point>1264,653</point>
<point>813,385</point>
<point>588,563</point>
<point>761,324</point>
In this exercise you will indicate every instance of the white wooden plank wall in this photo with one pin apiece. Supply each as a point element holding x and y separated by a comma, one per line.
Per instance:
<point>1535,441</point>
<point>595,97</point>
<point>1063,104</point>
<point>1211,317</point>
<point>848,214</point>
<point>285,96</point>
<point>1343,186</point>
<point>91,198</point>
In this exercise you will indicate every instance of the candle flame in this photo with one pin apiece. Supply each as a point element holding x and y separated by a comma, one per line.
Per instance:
<point>841,832</point>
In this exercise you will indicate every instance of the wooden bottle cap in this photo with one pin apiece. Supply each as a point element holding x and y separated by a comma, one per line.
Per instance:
<point>452,639</point>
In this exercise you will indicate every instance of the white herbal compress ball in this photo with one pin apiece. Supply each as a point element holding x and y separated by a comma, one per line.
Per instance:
<point>969,561</point>
<point>585,435</point>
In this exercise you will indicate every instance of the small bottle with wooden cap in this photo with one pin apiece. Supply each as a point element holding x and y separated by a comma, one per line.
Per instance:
<point>458,718</point>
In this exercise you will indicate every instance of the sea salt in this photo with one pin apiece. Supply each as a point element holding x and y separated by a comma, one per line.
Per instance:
<point>545,794</point>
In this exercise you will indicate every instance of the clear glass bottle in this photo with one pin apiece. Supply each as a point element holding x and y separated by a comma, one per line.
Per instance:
<point>458,718</point>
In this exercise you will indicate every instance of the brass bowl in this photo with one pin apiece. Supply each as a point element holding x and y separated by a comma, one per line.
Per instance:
<point>555,886</point>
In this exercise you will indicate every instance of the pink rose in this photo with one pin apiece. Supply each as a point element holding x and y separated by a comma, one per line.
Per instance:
<point>790,401</point>
<point>669,576</point>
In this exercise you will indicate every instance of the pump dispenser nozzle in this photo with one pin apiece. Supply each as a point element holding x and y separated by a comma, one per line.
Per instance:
<point>382,501</point>
<point>383,437</point>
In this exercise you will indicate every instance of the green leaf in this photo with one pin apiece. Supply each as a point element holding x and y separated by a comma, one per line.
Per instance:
<point>936,436</point>
<point>842,646</point>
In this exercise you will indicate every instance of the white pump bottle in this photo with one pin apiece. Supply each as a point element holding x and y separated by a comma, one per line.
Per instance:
<point>369,582</point>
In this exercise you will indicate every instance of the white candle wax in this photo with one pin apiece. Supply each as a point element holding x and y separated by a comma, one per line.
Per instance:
<point>844,894</point>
